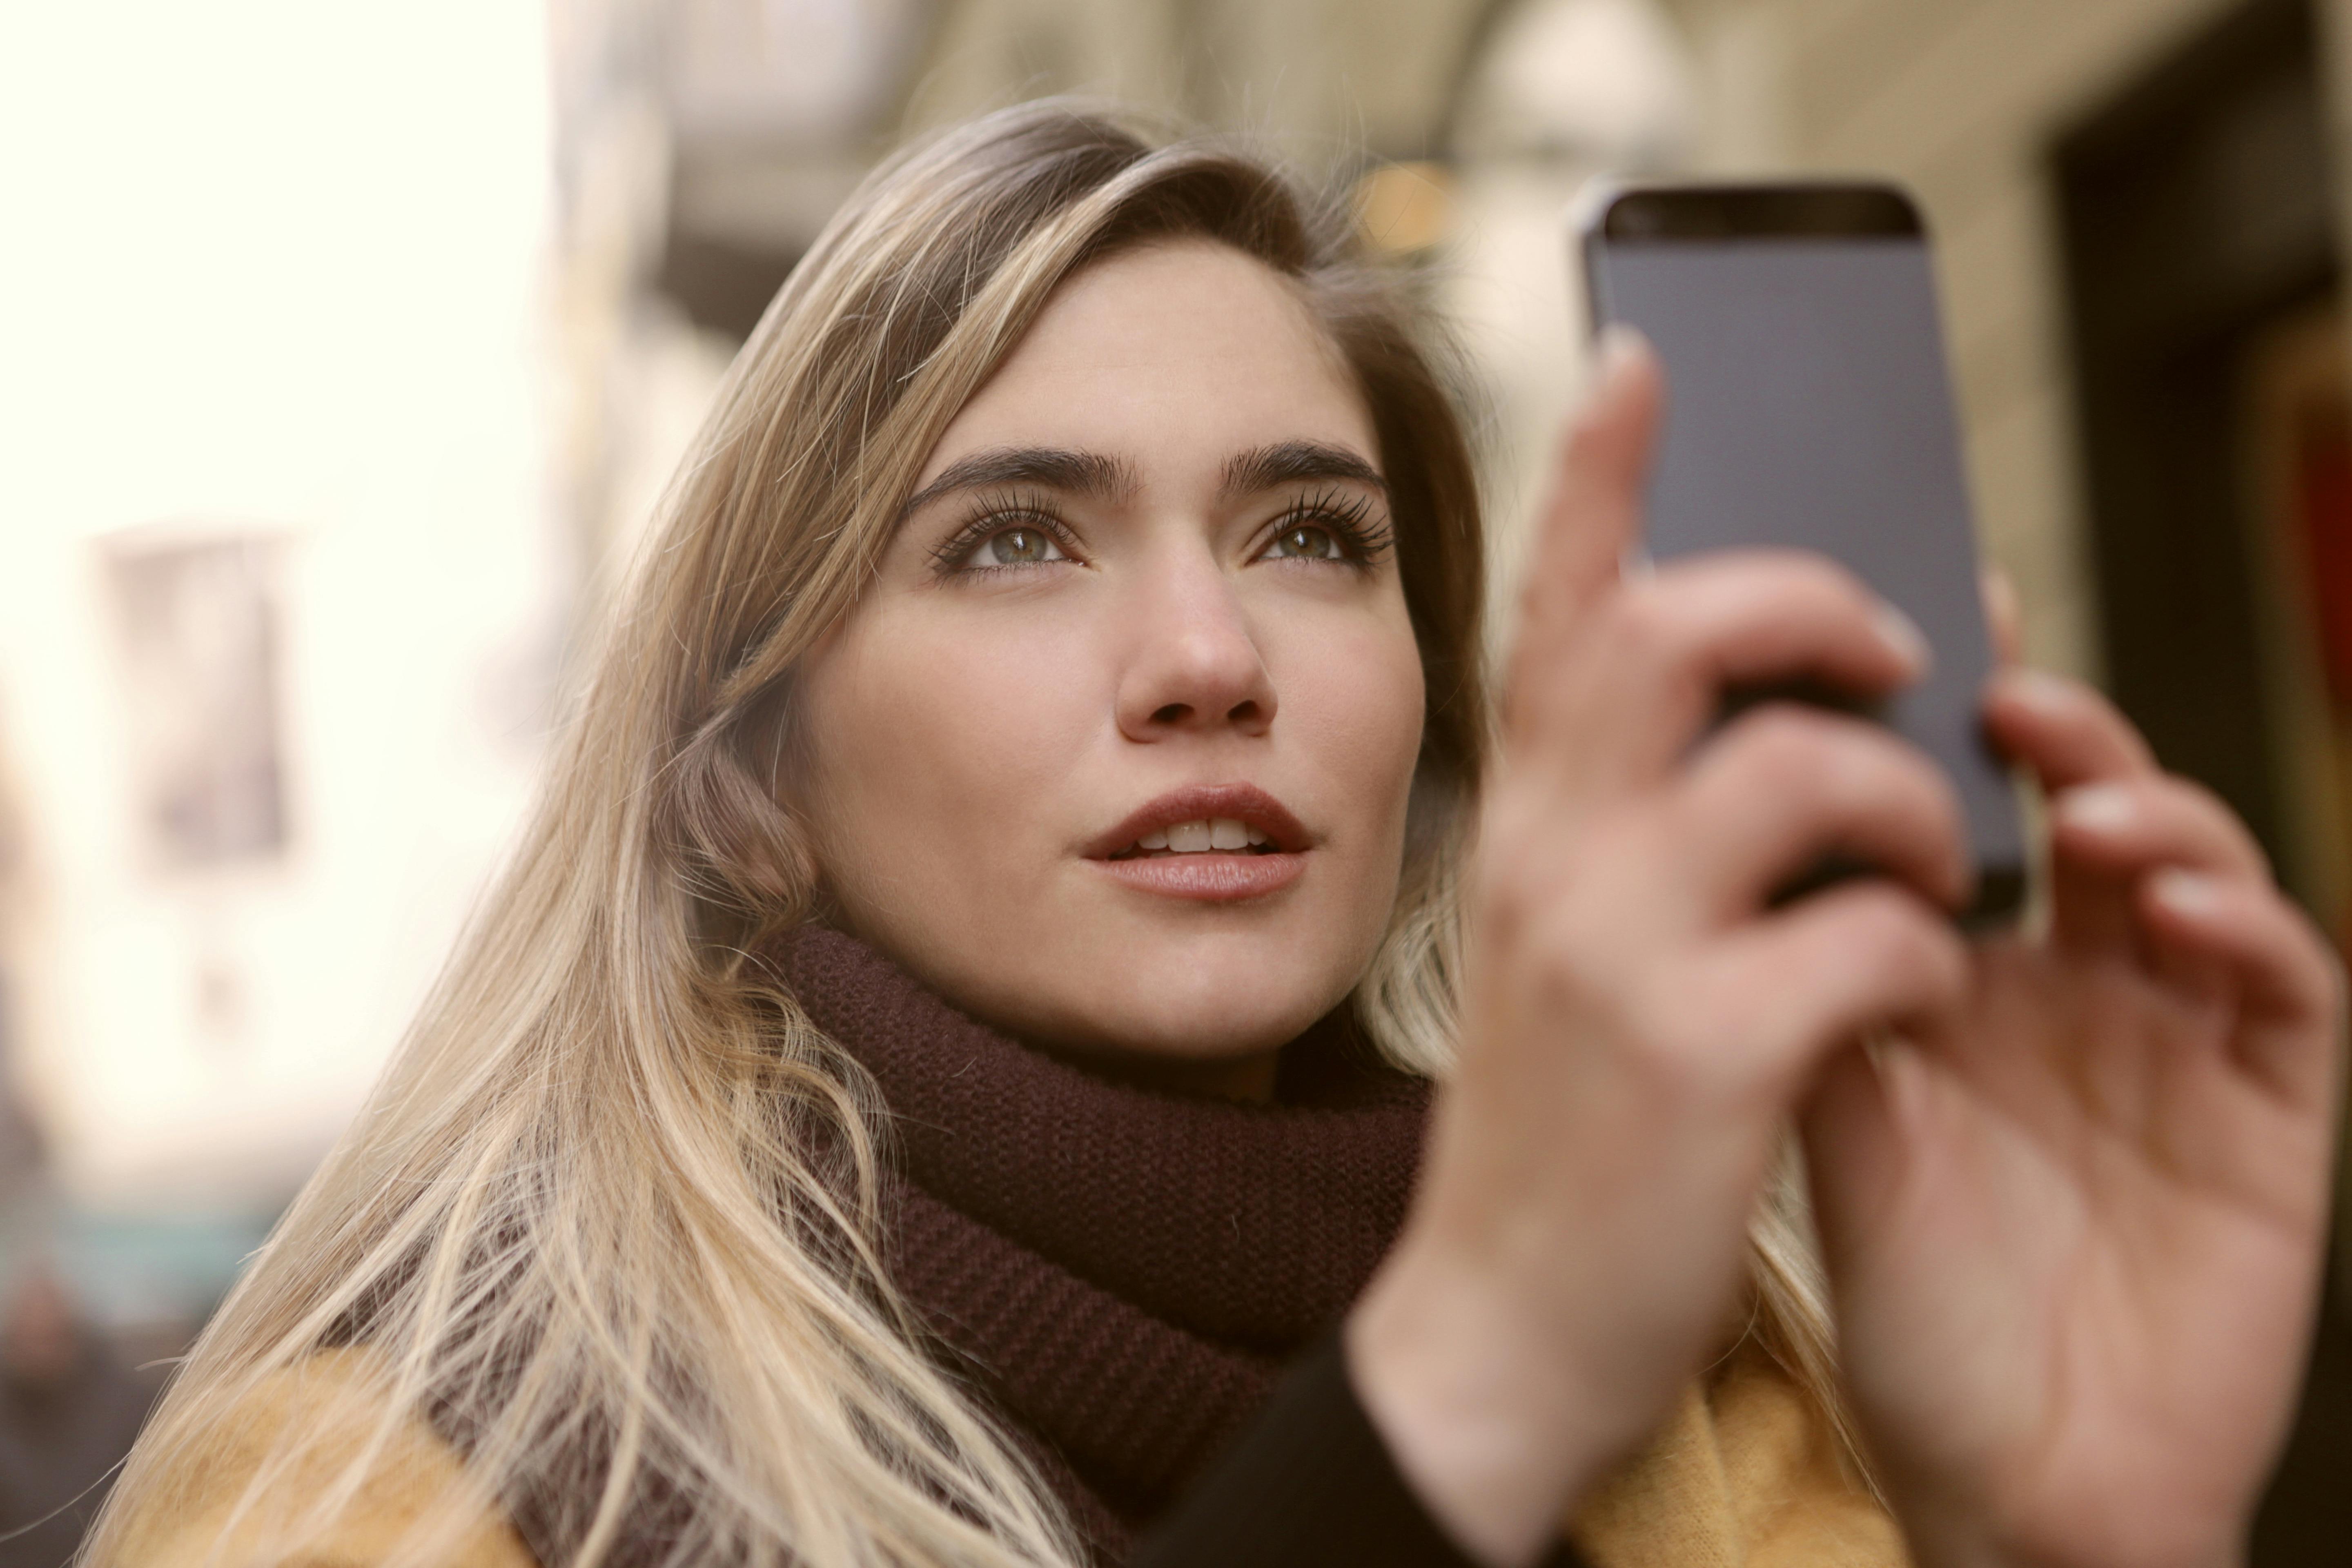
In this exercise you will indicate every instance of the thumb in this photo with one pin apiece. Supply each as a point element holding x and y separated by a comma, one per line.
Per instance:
<point>1861,1126</point>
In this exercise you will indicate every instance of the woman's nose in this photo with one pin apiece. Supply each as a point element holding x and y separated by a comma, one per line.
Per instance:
<point>1193,665</point>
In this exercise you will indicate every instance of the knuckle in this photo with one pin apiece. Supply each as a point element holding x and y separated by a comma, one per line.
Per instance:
<point>1780,747</point>
<point>1678,1029</point>
<point>2335,986</point>
<point>1902,939</point>
<point>1931,791</point>
<point>1647,621</point>
<point>1872,767</point>
<point>1833,583</point>
<point>2181,815</point>
<point>2174,794</point>
<point>1544,880</point>
<point>1785,565</point>
<point>1844,764</point>
<point>1852,767</point>
<point>2201,804</point>
<point>2306,947</point>
<point>1816,582</point>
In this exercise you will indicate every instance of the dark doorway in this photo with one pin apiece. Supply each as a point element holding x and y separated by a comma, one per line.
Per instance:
<point>2196,215</point>
<point>2204,277</point>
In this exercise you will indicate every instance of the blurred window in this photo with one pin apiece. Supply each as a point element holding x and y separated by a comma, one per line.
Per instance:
<point>199,632</point>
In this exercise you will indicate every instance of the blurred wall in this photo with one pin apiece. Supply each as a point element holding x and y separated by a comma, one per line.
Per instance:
<point>1325,81</point>
<point>281,591</point>
<point>1961,100</point>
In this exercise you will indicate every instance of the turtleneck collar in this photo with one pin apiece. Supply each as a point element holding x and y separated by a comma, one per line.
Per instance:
<point>1123,1269</point>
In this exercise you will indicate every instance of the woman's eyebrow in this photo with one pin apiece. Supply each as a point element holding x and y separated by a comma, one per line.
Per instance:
<point>1284,462</point>
<point>1055,468</point>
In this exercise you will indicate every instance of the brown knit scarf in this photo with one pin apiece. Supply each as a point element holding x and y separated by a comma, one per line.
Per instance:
<point>1123,1271</point>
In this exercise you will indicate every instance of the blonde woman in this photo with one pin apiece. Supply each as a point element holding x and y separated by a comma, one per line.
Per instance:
<point>944,1080</point>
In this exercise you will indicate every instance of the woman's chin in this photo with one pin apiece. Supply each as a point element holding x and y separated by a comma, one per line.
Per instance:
<point>1180,1017</point>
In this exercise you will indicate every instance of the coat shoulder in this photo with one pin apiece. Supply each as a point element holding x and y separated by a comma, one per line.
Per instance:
<point>310,1469</point>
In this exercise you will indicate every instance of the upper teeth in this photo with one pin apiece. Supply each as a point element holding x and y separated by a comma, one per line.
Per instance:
<point>1192,837</point>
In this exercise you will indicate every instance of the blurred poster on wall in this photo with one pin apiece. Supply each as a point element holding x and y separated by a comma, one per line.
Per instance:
<point>2294,434</point>
<point>198,623</point>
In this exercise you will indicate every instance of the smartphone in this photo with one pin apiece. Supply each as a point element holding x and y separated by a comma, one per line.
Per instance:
<point>1808,404</point>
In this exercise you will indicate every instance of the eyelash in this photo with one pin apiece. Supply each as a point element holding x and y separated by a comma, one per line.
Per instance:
<point>994,515</point>
<point>1363,542</point>
<point>1349,519</point>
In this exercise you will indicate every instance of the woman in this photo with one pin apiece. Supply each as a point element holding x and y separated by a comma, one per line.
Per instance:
<point>1065,632</point>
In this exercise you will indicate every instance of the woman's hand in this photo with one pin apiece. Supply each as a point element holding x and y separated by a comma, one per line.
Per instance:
<point>1640,1021</point>
<point>2075,1226</point>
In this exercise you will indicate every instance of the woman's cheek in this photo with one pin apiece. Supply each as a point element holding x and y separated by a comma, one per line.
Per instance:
<point>987,713</point>
<point>1357,698</point>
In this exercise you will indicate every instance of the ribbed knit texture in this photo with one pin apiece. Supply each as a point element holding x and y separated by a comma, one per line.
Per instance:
<point>1124,1271</point>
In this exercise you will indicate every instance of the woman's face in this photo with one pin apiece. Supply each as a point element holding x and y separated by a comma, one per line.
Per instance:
<point>1115,754</point>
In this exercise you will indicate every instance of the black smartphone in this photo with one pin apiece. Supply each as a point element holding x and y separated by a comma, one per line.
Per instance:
<point>1810,405</point>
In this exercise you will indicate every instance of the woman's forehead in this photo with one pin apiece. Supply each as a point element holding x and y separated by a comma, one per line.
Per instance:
<point>1169,360</point>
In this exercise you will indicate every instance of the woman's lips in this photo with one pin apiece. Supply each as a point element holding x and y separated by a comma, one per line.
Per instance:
<point>1242,803</point>
<point>1275,857</point>
<point>1208,878</point>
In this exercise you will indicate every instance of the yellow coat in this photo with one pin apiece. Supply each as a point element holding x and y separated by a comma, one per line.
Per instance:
<point>1743,1476</point>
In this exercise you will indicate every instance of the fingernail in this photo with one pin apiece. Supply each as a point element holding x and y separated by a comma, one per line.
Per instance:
<point>1999,593</point>
<point>2102,808</point>
<point>2188,891</point>
<point>1902,633</point>
<point>2004,616</point>
<point>1620,345</point>
<point>2044,692</point>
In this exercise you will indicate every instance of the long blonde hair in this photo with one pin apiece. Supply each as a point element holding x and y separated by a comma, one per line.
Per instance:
<point>610,1215</point>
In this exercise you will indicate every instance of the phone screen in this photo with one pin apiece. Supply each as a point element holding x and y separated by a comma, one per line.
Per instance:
<point>1809,406</point>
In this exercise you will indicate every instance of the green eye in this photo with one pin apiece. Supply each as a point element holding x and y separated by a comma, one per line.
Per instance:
<point>1308,544</point>
<point>1021,547</point>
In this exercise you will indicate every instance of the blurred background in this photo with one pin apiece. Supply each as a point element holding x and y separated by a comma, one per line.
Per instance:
<point>345,351</point>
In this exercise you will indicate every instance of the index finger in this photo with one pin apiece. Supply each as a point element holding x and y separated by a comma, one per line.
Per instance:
<point>2288,985</point>
<point>1594,513</point>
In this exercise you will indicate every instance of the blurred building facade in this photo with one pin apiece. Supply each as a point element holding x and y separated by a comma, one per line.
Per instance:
<point>1506,108</point>
<point>357,348</point>
<point>281,583</point>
